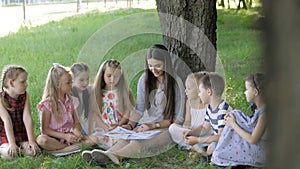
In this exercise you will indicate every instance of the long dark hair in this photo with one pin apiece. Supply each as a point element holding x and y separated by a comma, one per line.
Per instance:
<point>160,52</point>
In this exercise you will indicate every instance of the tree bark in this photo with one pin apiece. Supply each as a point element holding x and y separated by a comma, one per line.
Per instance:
<point>282,50</point>
<point>189,29</point>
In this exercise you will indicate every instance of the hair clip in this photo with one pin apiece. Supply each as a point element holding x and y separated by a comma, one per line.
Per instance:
<point>55,65</point>
<point>202,73</point>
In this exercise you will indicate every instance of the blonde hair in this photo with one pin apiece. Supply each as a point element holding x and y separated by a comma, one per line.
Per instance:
<point>125,97</point>
<point>196,77</point>
<point>52,91</point>
<point>9,72</point>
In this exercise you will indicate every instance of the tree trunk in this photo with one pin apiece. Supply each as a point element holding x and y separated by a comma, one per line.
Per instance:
<point>282,57</point>
<point>189,29</point>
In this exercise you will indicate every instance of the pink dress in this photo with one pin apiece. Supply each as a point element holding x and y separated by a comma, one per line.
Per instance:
<point>67,124</point>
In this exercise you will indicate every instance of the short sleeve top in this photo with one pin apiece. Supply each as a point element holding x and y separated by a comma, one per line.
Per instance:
<point>71,103</point>
<point>216,117</point>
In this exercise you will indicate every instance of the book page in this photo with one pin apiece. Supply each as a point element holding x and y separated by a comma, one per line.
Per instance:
<point>122,133</point>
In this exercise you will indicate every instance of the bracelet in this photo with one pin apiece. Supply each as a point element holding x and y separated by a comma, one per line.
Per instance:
<point>130,126</point>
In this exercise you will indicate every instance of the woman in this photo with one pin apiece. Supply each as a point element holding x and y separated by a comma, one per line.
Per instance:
<point>159,103</point>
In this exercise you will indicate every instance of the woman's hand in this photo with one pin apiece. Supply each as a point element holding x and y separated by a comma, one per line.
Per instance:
<point>127,126</point>
<point>229,119</point>
<point>13,150</point>
<point>143,127</point>
<point>113,126</point>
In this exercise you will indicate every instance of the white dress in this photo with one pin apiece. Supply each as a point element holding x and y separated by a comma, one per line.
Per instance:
<point>176,131</point>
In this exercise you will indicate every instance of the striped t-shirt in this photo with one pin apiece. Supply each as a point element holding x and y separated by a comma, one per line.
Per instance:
<point>216,117</point>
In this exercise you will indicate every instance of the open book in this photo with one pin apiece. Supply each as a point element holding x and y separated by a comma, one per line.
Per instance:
<point>125,134</point>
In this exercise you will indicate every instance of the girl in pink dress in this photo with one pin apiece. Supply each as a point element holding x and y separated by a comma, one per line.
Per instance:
<point>16,125</point>
<point>60,127</point>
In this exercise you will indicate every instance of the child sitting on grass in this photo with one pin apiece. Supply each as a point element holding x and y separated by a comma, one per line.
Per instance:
<point>60,127</point>
<point>211,89</point>
<point>16,124</point>
<point>195,111</point>
<point>243,141</point>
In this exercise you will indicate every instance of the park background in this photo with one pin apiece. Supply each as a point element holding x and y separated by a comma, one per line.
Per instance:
<point>36,45</point>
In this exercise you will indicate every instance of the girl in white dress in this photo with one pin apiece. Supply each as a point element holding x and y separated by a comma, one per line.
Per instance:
<point>195,113</point>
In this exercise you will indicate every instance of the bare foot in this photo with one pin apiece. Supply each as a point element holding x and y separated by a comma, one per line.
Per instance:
<point>193,154</point>
<point>200,150</point>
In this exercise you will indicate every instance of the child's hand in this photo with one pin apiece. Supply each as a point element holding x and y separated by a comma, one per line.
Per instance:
<point>229,119</point>
<point>33,147</point>
<point>72,138</point>
<point>185,134</point>
<point>77,133</point>
<point>142,128</point>
<point>13,150</point>
<point>191,140</point>
<point>186,126</point>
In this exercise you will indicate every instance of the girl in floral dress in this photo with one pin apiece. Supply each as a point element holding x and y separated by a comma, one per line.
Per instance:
<point>114,101</point>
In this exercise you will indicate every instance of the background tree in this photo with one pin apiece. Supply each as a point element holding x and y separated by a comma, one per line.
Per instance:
<point>189,29</point>
<point>282,50</point>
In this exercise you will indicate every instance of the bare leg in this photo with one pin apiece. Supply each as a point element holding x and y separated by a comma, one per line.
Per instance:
<point>200,150</point>
<point>70,148</point>
<point>49,143</point>
<point>210,149</point>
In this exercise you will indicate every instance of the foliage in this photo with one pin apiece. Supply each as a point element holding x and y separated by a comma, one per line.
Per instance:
<point>37,48</point>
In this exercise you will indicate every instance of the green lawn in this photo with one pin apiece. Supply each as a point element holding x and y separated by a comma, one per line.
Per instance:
<point>94,37</point>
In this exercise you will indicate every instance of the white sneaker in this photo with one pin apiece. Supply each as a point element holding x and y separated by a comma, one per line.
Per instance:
<point>87,156</point>
<point>104,157</point>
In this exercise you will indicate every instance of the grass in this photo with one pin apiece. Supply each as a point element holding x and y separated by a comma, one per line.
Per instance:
<point>67,41</point>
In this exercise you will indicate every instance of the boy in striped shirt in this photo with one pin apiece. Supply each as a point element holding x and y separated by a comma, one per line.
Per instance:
<point>211,87</point>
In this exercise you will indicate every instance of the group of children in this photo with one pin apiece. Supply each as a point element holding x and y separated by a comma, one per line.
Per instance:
<point>223,136</point>
<point>73,112</point>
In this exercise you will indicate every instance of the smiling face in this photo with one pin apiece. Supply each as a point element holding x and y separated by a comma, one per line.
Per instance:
<point>82,80</point>
<point>111,77</point>
<point>156,67</point>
